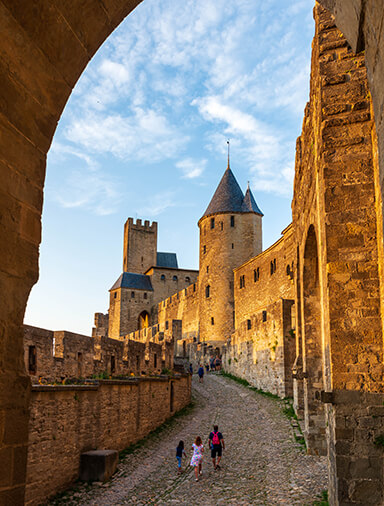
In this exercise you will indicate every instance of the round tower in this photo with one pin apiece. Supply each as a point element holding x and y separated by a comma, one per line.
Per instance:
<point>230,234</point>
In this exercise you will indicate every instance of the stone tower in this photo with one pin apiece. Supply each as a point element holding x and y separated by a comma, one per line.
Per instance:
<point>230,234</point>
<point>140,246</point>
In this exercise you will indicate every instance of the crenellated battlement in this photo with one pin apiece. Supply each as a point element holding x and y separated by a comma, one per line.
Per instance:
<point>139,225</point>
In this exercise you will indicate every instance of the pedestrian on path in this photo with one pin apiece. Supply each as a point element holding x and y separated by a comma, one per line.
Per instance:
<point>179,455</point>
<point>197,457</point>
<point>190,368</point>
<point>212,363</point>
<point>207,367</point>
<point>217,445</point>
<point>200,372</point>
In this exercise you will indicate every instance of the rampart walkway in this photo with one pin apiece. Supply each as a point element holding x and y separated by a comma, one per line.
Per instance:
<point>262,465</point>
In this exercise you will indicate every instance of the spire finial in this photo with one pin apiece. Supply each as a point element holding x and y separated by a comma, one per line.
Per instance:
<point>228,166</point>
<point>248,186</point>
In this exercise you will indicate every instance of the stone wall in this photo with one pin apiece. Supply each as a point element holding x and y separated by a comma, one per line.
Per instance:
<point>182,306</point>
<point>68,420</point>
<point>262,348</point>
<point>338,231</point>
<point>61,355</point>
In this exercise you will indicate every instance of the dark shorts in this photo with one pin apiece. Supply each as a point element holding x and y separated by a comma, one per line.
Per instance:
<point>216,450</point>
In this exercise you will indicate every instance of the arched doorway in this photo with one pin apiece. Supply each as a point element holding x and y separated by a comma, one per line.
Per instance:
<point>312,349</point>
<point>143,321</point>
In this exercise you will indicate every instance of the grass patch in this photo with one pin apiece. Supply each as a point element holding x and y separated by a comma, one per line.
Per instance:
<point>246,383</point>
<point>156,432</point>
<point>323,499</point>
<point>379,440</point>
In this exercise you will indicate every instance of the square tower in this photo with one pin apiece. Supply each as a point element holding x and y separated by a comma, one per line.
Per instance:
<point>140,246</point>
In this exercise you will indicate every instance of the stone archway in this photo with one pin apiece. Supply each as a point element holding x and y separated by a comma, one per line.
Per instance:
<point>312,349</point>
<point>45,46</point>
<point>143,320</point>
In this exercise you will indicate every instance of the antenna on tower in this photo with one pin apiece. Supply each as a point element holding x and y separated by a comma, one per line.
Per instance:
<point>228,154</point>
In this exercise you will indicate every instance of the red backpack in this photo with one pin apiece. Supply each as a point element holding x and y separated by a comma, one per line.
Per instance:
<point>215,439</point>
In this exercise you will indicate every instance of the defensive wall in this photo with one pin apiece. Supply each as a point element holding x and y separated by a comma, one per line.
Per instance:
<point>54,356</point>
<point>66,421</point>
<point>262,348</point>
<point>337,217</point>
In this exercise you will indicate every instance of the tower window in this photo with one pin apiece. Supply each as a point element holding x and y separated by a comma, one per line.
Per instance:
<point>207,268</point>
<point>212,222</point>
<point>232,221</point>
<point>242,281</point>
<point>212,320</point>
<point>32,359</point>
<point>221,225</point>
<point>166,325</point>
<point>174,278</point>
<point>264,316</point>
<point>155,360</point>
<point>207,291</point>
<point>233,245</point>
<point>145,295</point>
<point>194,287</point>
<point>187,279</point>
<point>256,275</point>
<point>132,295</point>
<point>273,266</point>
<point>162,277</point>
<point>249,324</point>
<point>204,249</point>
<point>115,295</point>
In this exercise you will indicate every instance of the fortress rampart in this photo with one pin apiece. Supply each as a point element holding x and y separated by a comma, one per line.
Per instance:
<point>68,420</point>
<point>262,348</point>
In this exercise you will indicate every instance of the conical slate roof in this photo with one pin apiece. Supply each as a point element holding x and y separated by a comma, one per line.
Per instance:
<point>249,203</point>
<point>228,197</point>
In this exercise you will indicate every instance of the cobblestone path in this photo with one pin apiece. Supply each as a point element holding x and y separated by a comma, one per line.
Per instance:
<point>262,463</point>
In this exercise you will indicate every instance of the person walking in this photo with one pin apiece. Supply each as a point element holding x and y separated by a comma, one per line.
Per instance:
<point>190,368</point>
<point>217,445</point>
<point>200,372</point>
<point>179,455</point>
<point>197,457</point>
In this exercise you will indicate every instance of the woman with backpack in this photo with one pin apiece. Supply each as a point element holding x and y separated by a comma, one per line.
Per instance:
<point>217,445</point>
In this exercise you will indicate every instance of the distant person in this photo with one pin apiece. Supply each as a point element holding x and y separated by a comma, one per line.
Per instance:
<point>200,372</point>
<point>217,363</point>
<point>212,364</point>
<point>179,455</point>
<point>207,367</point>
<point>197,457</point>
<point>217,445</point>
<point>190,368</point>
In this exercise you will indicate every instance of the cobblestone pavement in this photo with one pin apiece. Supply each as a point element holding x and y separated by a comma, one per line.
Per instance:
<point>262,463</point>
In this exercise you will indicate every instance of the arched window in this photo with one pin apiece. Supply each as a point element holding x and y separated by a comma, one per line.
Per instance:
<point>212,222</point>
<point>207,291</point>
<point>162,277</point>
<point>132,295</point>
<point>174,278</point>
<point>187,279</point>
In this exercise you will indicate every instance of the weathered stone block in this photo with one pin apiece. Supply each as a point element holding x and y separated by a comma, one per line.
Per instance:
<point>98,465</point>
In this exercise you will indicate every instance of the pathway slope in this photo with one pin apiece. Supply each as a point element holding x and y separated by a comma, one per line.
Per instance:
<point>262,463</point>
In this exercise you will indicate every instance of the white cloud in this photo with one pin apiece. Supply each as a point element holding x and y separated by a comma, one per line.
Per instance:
<point>85,185</point>
<point>157,204</point>
<point>146,135</point>
<point>191,168</point>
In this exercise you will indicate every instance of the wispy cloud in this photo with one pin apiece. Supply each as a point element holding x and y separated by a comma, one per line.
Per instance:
<point>157,204</point>
<point>146,135</point>
<point>85,185</point>
<point>191,168</point>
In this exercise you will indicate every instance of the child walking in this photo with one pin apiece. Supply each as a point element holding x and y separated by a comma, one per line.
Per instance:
<point>179,455</point>
<point>197,457</point>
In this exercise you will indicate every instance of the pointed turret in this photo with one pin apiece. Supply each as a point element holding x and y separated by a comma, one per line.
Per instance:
<point>228,197</point>
<point>249,203</point>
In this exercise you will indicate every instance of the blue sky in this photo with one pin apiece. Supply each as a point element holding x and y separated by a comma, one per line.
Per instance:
<point>144,135</point>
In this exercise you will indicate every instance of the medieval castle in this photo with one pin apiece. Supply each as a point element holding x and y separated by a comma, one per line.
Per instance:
<point>304,317</point>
